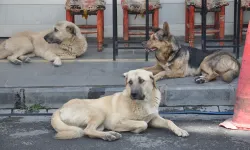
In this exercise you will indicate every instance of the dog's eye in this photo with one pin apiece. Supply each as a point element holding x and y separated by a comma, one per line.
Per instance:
<point>55,29</point>
<point>130,82</point>
<point>141,80</point>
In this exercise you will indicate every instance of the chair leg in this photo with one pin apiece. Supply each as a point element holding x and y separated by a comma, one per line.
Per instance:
<point>100,32</point>
<point>191,26</point>
<point>222,24</point>
<point>186,24</point>
<point>125,25</point>
<point>155,18</point>
<point>216,24</point>
<point>70,17</point>
<point>103,25</point>
<point>241,24</point>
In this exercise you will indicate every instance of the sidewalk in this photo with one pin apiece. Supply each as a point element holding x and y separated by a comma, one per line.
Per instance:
<point>36,133</point>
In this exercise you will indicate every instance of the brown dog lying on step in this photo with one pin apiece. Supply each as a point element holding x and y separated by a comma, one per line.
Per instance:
<point>132,110</point>
<point>178,61</point>
<point>63,41</point>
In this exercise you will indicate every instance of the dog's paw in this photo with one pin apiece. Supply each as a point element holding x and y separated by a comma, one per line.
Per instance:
<point>182,133</point>
<point>112,136</point>
<point>57,62</point>
<point>199,80</point>
<point>26,59</point>
<point>17,62</point>
<point>157,78</point>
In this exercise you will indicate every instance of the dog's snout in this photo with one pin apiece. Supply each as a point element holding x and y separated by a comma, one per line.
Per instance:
<point>45,37</point>
<point>134,95</point>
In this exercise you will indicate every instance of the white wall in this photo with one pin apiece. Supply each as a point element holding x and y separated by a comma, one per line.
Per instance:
<point>20,15</point>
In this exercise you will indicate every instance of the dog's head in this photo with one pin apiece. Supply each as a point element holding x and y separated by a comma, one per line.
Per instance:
<point>139,84</point>
<point>63,30</point>
<point>161,40</point>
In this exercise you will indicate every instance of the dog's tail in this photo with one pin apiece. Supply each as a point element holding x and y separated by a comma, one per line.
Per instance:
<point>231,74</point>
<point>64,131</point>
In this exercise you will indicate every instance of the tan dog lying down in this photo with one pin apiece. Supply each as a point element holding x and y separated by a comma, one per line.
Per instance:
<point>132,110</point>
<point>64,41</point>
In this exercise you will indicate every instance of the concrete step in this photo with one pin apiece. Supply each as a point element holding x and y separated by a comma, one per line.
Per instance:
<point>49,86</point>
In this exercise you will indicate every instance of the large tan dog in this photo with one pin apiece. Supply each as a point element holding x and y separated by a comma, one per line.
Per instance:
<point>64,41</point>
<point>132,110</point>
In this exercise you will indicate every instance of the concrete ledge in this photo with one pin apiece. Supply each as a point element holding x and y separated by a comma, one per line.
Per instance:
<point>173,96</point>
<point>50,87</point>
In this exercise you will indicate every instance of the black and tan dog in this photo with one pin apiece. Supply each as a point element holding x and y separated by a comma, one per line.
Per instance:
<point>177,61</point>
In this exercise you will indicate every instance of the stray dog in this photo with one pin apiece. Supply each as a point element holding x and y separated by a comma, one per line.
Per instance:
<point>64,41</point>
<point>178,61</point>
<point>132,110</point>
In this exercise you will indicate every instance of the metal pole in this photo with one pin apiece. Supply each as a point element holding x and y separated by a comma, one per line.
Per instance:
<point>147,25</point>
<point>238,29</point>
<point>235,25</point>
<point>203,24</point>
<point>115,44</point>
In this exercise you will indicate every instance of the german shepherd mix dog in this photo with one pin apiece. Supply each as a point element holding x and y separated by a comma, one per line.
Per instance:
<point>132,110</point>
<point>177,61</point>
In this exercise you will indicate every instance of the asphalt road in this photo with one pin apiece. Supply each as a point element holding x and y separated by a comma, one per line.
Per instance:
<point>35,133</point>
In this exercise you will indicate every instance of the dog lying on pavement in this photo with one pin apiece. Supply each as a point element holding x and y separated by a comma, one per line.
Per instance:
<point>132,110</point>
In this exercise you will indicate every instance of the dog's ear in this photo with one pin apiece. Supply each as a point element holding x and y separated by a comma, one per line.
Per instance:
<point>71,29</point>
<point>155,29</point>
<point>125,74</point>
<point>153,80</point>
<point>166,29</point>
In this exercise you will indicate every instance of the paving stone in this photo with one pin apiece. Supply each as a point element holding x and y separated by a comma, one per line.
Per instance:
<point>171,109</point>
<point>5,111</point>
<point>202,108</point>
<point>226,108</point>
<point>51,110</point>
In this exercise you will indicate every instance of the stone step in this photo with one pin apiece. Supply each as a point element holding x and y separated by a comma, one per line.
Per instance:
<point>41,83</point>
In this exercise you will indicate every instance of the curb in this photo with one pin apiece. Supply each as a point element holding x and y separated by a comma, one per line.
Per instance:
<point>209,110</point>
<point>174,95</point>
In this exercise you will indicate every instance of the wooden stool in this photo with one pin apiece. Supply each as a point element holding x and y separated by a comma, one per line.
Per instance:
<point>138,7</point>
<point>218,28</point>
<point>245,6</point>
<point>87,8</point>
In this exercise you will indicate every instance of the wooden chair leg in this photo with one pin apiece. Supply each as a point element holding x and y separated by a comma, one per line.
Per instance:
<point>241,24</point>
<point>186,24</point>
<point>155,18</point>
<point>70,17</point>
<point>216,23</point>
<point>125,25</point>
<point>103,25</point>
<point>191,26</point>
<point>222,24</point>
<point>100,32</point>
